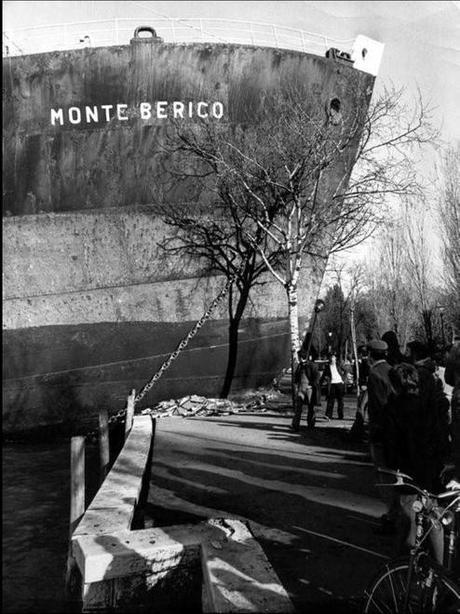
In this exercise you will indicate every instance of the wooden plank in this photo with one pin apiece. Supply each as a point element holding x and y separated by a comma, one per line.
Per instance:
<point>77,508</point>
<point>77,481</point>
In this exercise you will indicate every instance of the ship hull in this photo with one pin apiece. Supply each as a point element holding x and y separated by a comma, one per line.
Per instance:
<point>59,375</point>
<point>92,304</point>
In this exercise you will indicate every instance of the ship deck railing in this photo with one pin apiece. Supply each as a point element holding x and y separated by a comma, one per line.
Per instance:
<point>119,31</point>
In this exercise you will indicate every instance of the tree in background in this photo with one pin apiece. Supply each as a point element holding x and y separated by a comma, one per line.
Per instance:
<point>348,292</point>
<point>408,295</point>
<point>335,320</point>
<point>419,270</point>
<point>389,288</point>
<point>365,319</point>
<point>449,222</point>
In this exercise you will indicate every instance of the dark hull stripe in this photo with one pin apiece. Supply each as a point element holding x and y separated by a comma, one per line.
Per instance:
<point>132,362</point>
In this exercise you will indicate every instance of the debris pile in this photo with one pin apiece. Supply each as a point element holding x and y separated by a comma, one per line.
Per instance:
<point>195,405</point>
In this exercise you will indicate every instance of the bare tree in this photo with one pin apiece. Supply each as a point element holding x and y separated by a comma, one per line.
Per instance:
<point>403,282</point>
<point>280,193</point>
<point>273,199</point>
<point>220,243</point>
<point>449,221</point>
<point>419,265</point>
<point>389,286</point>
<point>347,295</point>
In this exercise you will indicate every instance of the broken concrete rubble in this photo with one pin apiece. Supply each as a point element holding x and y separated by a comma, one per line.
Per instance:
<point>196,405</point>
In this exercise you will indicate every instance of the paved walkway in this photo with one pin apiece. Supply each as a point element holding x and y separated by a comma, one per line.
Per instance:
<point>310,497</point>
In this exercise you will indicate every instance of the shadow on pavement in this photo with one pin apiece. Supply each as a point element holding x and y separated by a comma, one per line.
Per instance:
<point>310,496</point>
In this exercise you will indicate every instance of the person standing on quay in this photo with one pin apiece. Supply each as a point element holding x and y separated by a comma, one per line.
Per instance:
<point>301,389</point>
<point>416,443</point>
<point>452,377</point>
<point>360,375</point>
<point>308,392</point>
<point>379,389</point>
<point>394,356</point>
<point>336,376</point>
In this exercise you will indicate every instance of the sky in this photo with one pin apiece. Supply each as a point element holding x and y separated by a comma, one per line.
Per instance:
<point>422,39</point>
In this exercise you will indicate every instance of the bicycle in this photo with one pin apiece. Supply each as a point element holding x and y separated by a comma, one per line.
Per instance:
<point>418,584</point>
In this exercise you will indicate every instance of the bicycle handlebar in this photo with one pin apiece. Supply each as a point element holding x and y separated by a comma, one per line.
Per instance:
<point>400,477</point>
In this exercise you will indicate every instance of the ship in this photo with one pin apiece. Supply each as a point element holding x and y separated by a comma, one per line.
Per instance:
<point>92,305</point>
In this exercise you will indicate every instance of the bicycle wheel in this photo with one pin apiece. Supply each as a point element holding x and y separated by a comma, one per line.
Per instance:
<point>430,591</point>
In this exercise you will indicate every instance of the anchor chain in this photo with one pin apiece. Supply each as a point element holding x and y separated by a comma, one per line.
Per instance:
<point>118,417</point>
<point>183,344</point>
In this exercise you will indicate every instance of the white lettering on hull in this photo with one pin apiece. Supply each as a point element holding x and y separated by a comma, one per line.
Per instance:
<point>161,109</point>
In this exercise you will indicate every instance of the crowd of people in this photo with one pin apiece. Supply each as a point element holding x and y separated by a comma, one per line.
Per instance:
<point>410,404</point>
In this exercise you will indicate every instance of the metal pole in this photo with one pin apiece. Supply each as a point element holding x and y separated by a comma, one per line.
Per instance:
<point>355,348</point>
<point>310,340</point>
<point>319,306</point>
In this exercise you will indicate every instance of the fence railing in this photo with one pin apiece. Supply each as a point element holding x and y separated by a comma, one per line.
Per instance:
<point>119,31</point>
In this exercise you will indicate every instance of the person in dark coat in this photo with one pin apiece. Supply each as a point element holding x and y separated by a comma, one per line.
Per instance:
<point>302,386</point>
<point>415,440</point>
<point>394,355</point>
<point>431,388</point>
<point>452,377</point>
<point>308,392</point>
<point>314,377</point>
<point>357,431</point>
<point>379,389</point>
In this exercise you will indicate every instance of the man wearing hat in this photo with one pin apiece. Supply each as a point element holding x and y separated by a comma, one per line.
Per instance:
<point>379,389</point>
<point>302,387</point>
<point>438,448</point>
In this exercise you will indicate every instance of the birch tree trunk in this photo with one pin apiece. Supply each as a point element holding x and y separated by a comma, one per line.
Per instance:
<point>293,310</point>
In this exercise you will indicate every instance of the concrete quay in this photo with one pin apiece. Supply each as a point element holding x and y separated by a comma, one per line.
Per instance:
<point>310,498</point>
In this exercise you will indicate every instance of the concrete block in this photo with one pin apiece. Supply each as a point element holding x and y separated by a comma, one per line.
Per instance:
<point>236,574</point>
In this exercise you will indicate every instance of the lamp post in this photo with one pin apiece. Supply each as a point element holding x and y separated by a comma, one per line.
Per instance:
<point>329,347</point>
